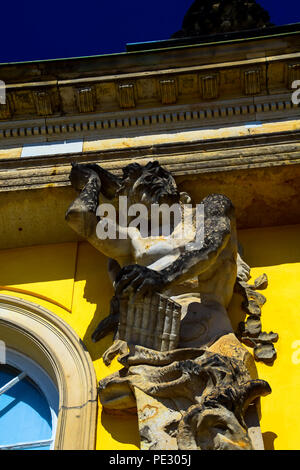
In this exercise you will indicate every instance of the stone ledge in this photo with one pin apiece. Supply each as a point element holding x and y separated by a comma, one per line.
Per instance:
<point>182,158</point>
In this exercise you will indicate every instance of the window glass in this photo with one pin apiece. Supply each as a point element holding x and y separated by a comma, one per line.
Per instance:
<point>26,417</point>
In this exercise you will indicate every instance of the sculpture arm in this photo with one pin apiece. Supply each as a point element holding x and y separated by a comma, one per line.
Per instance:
<point>193,262</point>
<point>82,214</point>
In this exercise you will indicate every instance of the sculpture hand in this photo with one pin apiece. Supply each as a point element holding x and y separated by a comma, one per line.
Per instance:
<point>138,279</point>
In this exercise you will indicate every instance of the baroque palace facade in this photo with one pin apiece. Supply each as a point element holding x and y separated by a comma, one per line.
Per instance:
<point>218,115</point>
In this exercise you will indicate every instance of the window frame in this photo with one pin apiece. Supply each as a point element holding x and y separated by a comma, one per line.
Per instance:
<point>50,342</point>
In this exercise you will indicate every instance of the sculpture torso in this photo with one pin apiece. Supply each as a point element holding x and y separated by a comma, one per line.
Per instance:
<point>204,298</point>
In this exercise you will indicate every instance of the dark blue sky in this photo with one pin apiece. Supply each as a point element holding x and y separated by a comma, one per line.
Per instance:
<point>37,29</point>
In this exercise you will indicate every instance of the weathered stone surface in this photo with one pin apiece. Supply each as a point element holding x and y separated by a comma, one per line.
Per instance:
<point>253,326</point>
<point>261,282</point>
<point>251,307</point>
<point>250,332</point>
<point>191,392</point>
<point>42,101</point>
<point>249,341</point>
<point>255,341</point>
<point>267,337</point>
<point>265,352</point>
<point>98,92</point>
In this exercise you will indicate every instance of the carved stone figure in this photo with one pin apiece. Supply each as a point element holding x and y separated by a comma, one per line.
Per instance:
<point>186,372</point>
<point>211,17</point>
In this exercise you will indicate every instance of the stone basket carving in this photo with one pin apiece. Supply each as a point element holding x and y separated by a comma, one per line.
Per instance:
<point>152,322</point>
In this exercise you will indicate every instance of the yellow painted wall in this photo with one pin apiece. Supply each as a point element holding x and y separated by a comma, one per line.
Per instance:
<point>276,251</point>
<point>70,280</point>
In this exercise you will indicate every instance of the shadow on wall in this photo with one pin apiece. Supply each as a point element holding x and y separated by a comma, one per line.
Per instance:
<point>74,277</point>
<point>271,246</point>
<point>269,439</point>
<point>98,291</point>
<point>96,350</point>
<point>123,429</point>
<point>37,264</point>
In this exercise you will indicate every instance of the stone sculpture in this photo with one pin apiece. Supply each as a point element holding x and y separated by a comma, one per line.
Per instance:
<point>184,370</point>
<point>222,16</point>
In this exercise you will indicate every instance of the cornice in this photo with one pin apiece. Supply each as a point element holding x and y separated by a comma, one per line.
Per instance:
<point>186,158</point>
<point>153,73</point>
<point>153,120</point>
<point>92,101</point>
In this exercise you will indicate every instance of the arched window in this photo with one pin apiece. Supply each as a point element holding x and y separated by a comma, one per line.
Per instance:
<point>48,361</point>
<point>28,405</point>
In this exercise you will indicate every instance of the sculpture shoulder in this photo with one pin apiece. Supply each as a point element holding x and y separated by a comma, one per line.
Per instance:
<point>218,205</point>
<point>219,220</point>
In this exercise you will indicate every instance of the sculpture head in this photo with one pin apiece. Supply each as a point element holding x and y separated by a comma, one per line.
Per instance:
<point>149,184</point>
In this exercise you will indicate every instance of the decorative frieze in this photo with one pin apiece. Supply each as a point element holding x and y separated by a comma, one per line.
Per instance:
<point>126,95</point>
<point>209,86</point>
<point>147,89</point>
<point>85,98</point>
<point>215,112</point>
<point>252,82</point>
<point>168,91</point>
<point>42,101</point>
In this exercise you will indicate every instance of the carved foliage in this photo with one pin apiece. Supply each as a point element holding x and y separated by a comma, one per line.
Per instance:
<point>250,332</point>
